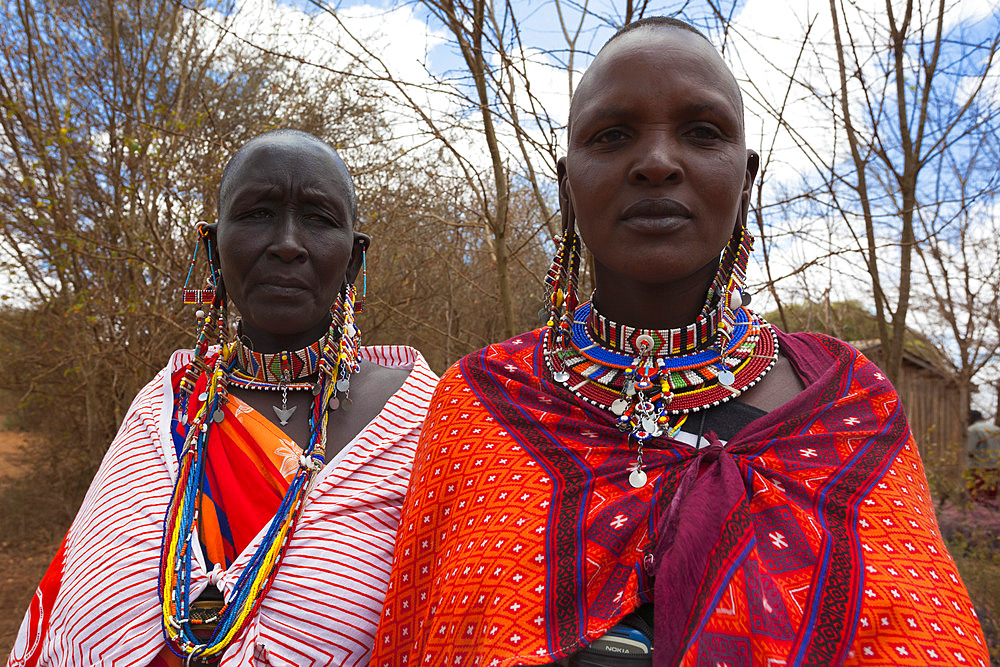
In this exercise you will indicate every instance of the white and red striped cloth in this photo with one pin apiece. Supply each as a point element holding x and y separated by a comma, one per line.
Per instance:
<point>324,605</point>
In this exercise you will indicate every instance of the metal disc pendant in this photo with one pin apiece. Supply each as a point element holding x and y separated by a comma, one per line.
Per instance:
<point>560,376</point>
<point>316,388</point>
<point>346,404</point>
<point>543,315</point>
<point>202,397</point>
<point>343,385</point>
<point>618,406</point>
<point>218,416</point>
<point>726,378</point>
<point>637,478</point>
<point>649,424</point>
<point>334,403</point>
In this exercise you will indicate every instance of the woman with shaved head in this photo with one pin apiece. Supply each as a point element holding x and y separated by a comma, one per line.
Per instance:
<point>247,509</point>
<point>658,476</point>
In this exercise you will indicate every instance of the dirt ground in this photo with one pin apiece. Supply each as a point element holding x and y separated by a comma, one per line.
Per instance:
<point>21,565</point>
<point>22,568</point>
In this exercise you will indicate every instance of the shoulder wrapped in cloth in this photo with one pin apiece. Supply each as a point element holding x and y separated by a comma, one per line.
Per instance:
<point>809,538</point>
<point>99,601</point>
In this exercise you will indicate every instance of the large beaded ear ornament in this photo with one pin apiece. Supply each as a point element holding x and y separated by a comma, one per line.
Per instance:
<point>345,330</point>
<point>214,296</point>
<point>561,282</point>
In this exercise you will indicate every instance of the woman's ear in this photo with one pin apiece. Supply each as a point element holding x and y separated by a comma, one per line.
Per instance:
<point>565,196</point>
<point>753,164</point>
<point>361,243</point>
<point>210,231</point>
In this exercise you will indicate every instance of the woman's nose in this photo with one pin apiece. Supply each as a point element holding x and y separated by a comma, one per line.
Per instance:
<point>287,243</point>
<point>657,161</point>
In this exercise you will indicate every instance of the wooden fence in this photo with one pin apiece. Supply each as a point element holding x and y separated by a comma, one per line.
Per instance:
<point>933,405</point>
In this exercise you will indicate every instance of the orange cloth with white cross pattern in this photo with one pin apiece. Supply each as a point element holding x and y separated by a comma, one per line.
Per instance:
<point>808,538</point>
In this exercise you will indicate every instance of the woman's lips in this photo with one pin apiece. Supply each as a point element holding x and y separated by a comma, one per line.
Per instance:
<point>656,216</point>
<point>282,287</point>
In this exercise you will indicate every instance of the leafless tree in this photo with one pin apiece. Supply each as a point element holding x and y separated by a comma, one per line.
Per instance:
<point>899,93</point>
<point>117,119</point>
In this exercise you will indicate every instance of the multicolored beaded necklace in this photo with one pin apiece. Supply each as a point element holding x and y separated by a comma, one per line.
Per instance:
<point>334,364</point>
<point>651,379</point>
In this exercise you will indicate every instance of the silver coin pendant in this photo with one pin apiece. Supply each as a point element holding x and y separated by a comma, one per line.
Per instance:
<point>637,478</point>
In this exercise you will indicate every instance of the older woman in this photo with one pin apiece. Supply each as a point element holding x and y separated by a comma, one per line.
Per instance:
<point>246,511</point>
<point>659,476</point>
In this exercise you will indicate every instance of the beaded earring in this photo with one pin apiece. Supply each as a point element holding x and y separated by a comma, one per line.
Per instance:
<point>215,294</point>
<point>562,281</point>
<point>359,307</point>
<point>730,284</point>
<point>199,297</point>
<point>340,358</point>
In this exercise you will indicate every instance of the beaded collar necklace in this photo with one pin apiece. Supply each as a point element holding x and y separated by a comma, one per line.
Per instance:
<point>647,386</point>
<point>281,370</point>
<point>649,379</point>
<point>279,367</point>
<point>623,338</point>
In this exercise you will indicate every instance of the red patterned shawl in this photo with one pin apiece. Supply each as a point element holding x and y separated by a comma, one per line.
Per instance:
<point>809,538</point>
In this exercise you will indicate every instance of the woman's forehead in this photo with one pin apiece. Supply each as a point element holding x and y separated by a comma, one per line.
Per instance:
<point>284,162</point>
<point>283,154</point>
<point>657,56</point>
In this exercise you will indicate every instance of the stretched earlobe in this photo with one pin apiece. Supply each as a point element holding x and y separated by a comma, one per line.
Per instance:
<point>209,233</point>
<point>565,197</point>
<point>361,244</point>
<point>753,165</point>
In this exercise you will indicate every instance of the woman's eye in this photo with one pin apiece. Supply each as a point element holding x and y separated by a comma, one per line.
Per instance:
<point>257,214</point>
<point>320,218</point>
<point>703,132</point>
<point>609,136</point>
